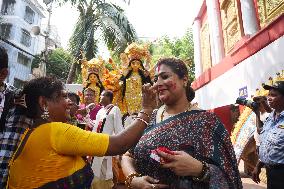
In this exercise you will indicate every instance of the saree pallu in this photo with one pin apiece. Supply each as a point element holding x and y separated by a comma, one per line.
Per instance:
<point>81,179</point>
<point>198,133</point>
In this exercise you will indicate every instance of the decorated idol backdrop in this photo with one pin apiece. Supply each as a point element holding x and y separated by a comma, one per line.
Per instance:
<point>125,79</point>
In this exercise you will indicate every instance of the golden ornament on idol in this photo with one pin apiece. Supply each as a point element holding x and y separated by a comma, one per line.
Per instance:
<point>128,94</point>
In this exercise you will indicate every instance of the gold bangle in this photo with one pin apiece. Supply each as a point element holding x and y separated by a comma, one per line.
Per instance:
<point>204,175</point>
<point>143,112</point>
<point>140,119</point>
<point>129,179</point>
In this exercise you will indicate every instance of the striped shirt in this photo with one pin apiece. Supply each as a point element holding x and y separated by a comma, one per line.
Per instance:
<point>271,149</point>
<point>14,127</point>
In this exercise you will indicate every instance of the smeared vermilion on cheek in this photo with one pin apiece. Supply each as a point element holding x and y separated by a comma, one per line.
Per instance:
<point>171,85</point>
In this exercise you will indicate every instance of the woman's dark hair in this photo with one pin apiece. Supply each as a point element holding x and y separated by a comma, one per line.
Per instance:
<point>44,86</point>
<point>3,58</point>
<point>98,84</point>
<point>141,73</point>
<point>179,68</point>
<point>77,98</point>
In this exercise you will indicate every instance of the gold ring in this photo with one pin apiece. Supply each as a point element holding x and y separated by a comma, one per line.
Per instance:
<point>153,186</point>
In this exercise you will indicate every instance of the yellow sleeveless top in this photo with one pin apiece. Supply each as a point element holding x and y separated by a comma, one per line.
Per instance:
<point>54,151</point>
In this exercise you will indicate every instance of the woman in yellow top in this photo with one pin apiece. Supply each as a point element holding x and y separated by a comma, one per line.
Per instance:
<point>49,155</point>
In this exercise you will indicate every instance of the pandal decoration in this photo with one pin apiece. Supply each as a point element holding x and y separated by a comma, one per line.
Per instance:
<point>95,65</point>
<point>133,84</point>
<point>110,78</point>
<point>111,82</point>
<point>136,51</point>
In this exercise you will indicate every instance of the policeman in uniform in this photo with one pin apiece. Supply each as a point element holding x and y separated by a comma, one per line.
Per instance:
<point>271,150</point>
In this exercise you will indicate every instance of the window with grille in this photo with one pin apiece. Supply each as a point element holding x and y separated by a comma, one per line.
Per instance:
<point>8,7</point>
<point>5,30</point>
<point>26,38</point>
<point>29,15</point>
<point>23,59</point>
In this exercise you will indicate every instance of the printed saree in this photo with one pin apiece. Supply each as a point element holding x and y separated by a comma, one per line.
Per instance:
<point>201,135</point>
<point>81,179</point>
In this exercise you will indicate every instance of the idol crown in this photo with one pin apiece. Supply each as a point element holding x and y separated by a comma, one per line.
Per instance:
<point>136,51</point>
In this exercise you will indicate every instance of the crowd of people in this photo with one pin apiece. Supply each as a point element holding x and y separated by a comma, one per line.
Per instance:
<point>50,138</point>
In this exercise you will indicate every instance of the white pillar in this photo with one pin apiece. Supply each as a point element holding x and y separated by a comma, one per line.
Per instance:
<point>249,17</point>
<point>197,47</point>
<point>216,40</point>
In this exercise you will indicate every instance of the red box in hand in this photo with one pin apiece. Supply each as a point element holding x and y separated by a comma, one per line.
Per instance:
<point>154,155</point>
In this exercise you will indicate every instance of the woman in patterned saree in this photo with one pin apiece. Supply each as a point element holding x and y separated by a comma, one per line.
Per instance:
<point>201,154</point>
<point>50,152</point>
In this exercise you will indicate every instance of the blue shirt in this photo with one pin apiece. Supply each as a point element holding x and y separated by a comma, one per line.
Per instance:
<point>271,150</point>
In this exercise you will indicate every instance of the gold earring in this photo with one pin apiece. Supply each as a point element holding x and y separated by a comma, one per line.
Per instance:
<point>45,114</point>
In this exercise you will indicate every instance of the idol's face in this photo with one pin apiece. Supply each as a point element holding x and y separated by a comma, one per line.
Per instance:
<point>93,78</point>
<point>135,65</point>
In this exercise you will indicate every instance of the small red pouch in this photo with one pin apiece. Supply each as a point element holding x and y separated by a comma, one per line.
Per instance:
<point>154,155</point>
<point>166,150</point>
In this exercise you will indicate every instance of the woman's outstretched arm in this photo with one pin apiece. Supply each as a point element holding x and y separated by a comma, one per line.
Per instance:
<point>120,143</point>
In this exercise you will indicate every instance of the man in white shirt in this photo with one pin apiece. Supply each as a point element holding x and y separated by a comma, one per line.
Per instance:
<point>109,121</point>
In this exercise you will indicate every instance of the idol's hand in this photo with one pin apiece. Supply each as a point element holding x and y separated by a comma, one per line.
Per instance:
<point>146,182</point>
<point>181,163</point>
<point>148,97</point>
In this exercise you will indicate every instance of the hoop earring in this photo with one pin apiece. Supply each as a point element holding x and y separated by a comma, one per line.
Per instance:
<point>45,114</point>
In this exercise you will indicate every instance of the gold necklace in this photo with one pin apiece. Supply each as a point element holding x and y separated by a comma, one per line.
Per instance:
<point>162,114</point>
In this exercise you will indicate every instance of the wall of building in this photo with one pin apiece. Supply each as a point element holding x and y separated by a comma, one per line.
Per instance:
<point>250,73</point>
<point>17,70</point>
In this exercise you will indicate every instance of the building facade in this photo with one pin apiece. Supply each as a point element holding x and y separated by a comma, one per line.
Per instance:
<point>238,46</point>
<point>18,17</point>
